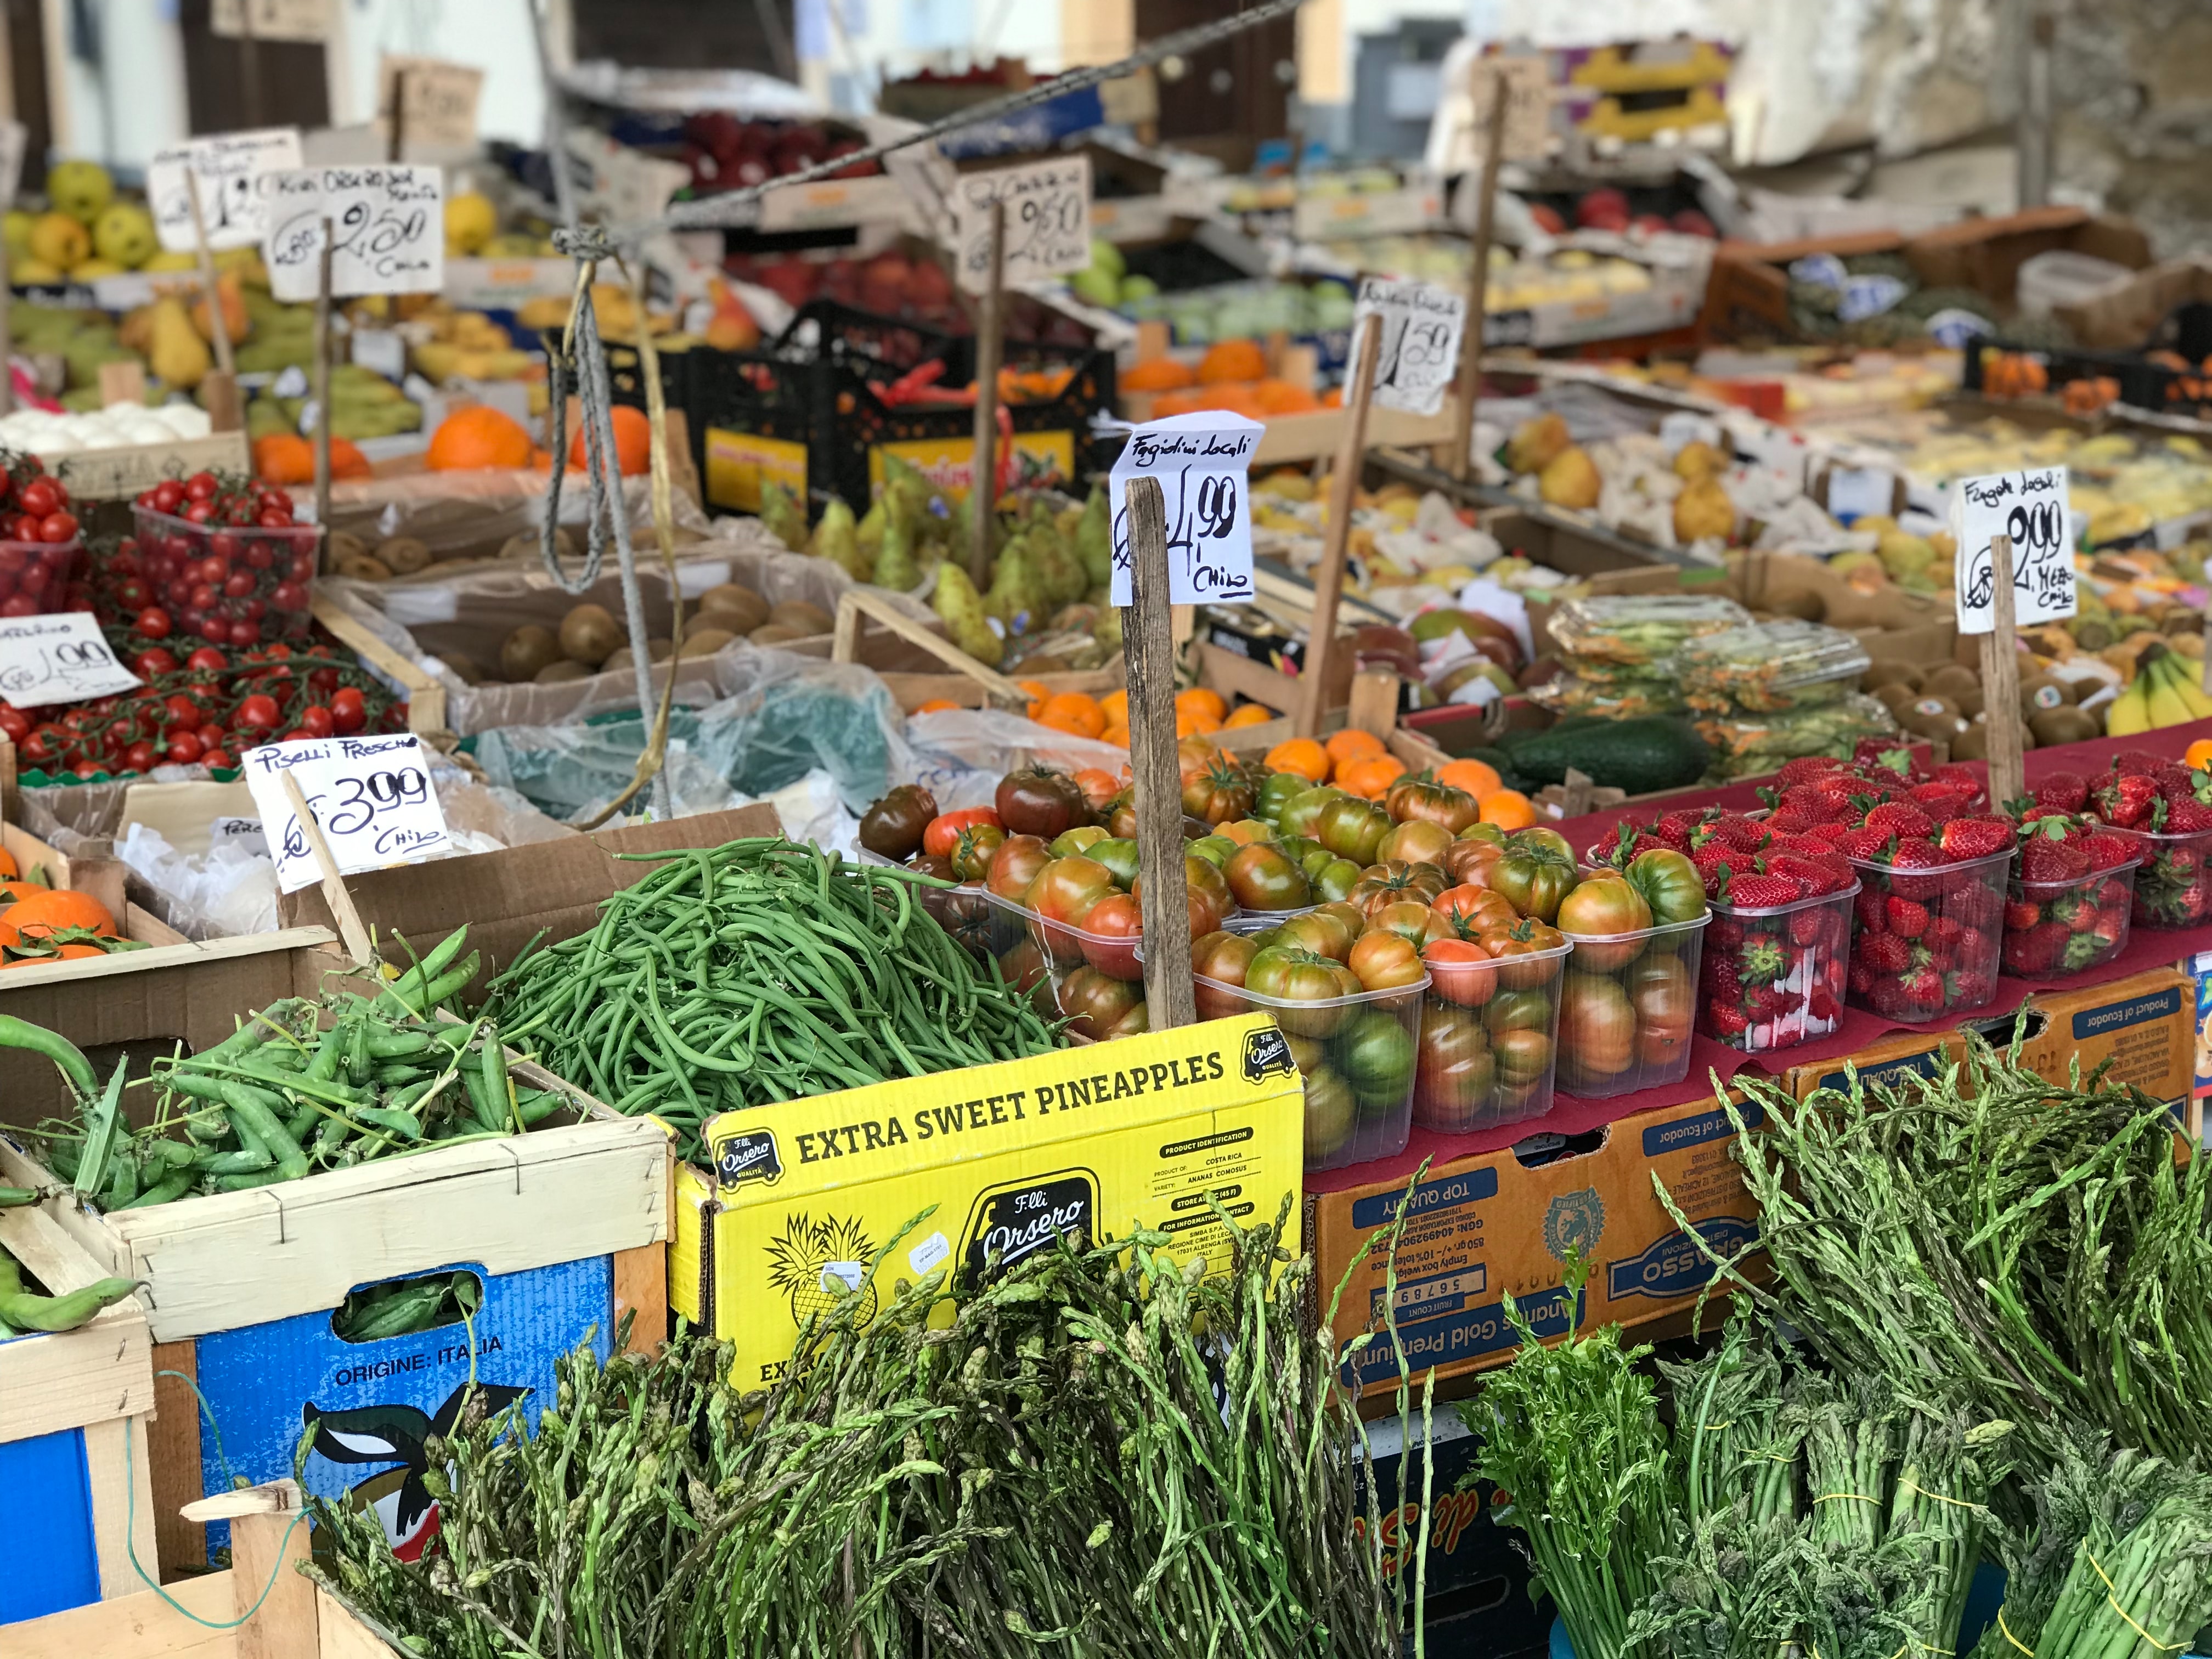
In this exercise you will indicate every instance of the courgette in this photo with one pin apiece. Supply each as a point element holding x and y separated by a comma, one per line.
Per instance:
<point>1649,752</point>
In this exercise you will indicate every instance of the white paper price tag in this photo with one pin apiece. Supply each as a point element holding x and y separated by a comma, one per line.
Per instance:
<point>1681,428</point>
<point>436,102</point>
<point>1201,461</point>
<point>1047,221</point>
<point>303,20</point>
<point>2029,506</point>
<point>372,796</point>
<point>1526,84</point>
<point>234,170</point>
<point>1859,492</point>
<point>238,832</point>
<point>388,224</point>
<point>381,350</point>
<point>57,658</point>
<point>1418,350</point>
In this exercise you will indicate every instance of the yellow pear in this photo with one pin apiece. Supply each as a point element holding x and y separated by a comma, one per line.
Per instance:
<point>176,352</point>
<point>1702,509</point>
<point>165,260</point>
<point>58,240</point>
<point>15,229</point>
<point>1699,459</point>
<point>470,219</point>
<point>34,273</point>
<point>1536,443</point>
<point>1570,479</point>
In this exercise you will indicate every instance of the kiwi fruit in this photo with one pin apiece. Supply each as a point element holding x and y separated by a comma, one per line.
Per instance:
<point>1968,697</point>
<point>527,543</point>
<point>343,545</point>
<point>703,642</point>
<point>364,567</point>
<point>464,668</point>
<point>1931,717</point>
<point>736,600</point>
<point>1973,744</point>
<point>527,651</point>
<point>773,634</point>
<point>405,553</point>
<point>1888,671</point>
<point>589,635</point>
<point>804,619</point>
<point>1950,680</point>
<point>658,650</point>
<point>2040,692</point>
<point>2066,725</point>
<point>1895,697</point>
<point>561,672</point>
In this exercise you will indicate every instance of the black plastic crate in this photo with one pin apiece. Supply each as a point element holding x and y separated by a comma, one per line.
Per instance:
<point>2165,380</point>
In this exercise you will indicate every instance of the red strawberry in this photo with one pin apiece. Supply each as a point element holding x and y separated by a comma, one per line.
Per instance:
<point>1715,860</point>
<point>1864,844</point>
<point>1900,818</point>
<point>1915,855</point>
<point>2176,782</point>
<point>1772,1003</point>
<point>2032,950</point>
<point>2187,816</point>
<point>1727,1022</point>
<point>1741,832</point>
<point>1721,984</point>
<point>2127,801</point>
<point>1807,766</point>
<point>1958,773</point>
<point>2045,860</point>
<point>1971,989</point>
<point>1813,876</point>
<point>2067,791</point>
<point>2136,763</point>
<point>1811,926</point>
<point>2020,915</point>
<point>1789,821</point>
<point>1923,988</point>
<point>1906,919</point>
<point>2107,851</point>
<point>1974,838</point>
<point>1822,803</point>
<point>1885,953</point>
<point>1860,979</point>
<point>1821,1005</point>
<point>1944,934</point>
<point>1758,892</point>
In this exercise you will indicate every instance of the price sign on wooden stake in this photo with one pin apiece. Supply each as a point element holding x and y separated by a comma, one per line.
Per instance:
<point>1047,221</point>
<point>1421,337</point>
<point>234,170</point>
<point>1201,461</point>
<point>435,101</point>
<point>2030,507</point>
<point>61,658</point>
<point>1525,85</point>
<point>388,225</point>
<point>372,796</point>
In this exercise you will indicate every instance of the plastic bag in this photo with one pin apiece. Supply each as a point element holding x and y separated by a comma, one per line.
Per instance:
<point>228,890</point>
<point>1771,666</point>
<point>1620,699</point>
<point>472,515</point>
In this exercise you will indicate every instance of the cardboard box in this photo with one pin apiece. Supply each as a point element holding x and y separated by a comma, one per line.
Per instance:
<point>73,1456</point>
<point>2125,318</point>
<point>1503,1222</point>
<point>1889,1062</point>
<point>2144,1025</point>
<point>1090,1141</point>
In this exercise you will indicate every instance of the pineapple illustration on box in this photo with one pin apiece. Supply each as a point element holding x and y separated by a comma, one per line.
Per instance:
<point>817,1263</point>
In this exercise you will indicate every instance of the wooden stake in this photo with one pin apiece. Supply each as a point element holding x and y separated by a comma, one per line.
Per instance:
<point>2000,682</point>
<point>323,384</point>
<point>990,342</point>
<point>334,888</point>
<point>216,327</point>
<point>1343,486</point>
<point>249,66</point>
<point>1477,281</point>
<point>266,1548</point>
<point>399,115</point>
<point>6,339</point>
<point>1170,997</point>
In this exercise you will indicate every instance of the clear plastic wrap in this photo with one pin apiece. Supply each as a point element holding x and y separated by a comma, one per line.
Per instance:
<point>1640,628</point>
<point>472,515</point>
<point>1619,699</point>
<point>1747,745</point>
<point>1770,666</point>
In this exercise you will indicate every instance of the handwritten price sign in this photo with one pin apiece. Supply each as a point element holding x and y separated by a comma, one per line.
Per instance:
<point>1047,221</point>
<point>57,658</point>
<point>2030,507</point>
<point>388,227</point>
<point>372,796</point>
<point>1201,461</point>
<point>235,171</point>
<point>1419,349</point>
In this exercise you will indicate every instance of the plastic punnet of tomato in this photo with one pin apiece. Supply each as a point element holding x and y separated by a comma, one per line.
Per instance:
<point>1490,1030</point>
<point>1628,1000</point>
<point>1773,977</point>
<point>1357,1050</point>
<point>253,580</point>
<point>38,578</point>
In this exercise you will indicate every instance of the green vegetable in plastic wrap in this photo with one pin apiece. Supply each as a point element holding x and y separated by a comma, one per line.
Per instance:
<point>1746,744</point>
<point>1771,666</point>
<point>962,607</point>
<point>1094,540</point>
<point>1621,699</point>
<point>780,512</point>
<point>896,566</point>
<point>837,539</point>
<point>1640,628</point>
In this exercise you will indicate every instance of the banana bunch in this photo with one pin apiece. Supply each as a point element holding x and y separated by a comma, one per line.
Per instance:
<point>2164,692</point>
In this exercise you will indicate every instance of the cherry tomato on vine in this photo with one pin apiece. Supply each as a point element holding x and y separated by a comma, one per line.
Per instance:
<point>317,721</point>
<point>349,710</point>
<point>207,660</point>
<point>184,747</point>
<point>152,622</point>
<point>259,713</point>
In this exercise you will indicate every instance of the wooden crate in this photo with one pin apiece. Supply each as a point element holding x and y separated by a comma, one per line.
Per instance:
<point>121,474</point>
<point>964,681</point>
<point>426,698</point>
<point>598,1188</point>
<point>261,1607</point>
<point>95,1382</point>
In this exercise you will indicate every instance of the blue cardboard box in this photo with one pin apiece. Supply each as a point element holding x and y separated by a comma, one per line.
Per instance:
<point>365,1410</point>
<point>46,1526</point>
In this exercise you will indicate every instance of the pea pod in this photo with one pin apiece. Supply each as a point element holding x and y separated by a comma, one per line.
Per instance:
<point>168,1190</point>
<point>25,1310</point>
<point>21,1034</point>
<point>99,1136</point>
<point>15,1198</point>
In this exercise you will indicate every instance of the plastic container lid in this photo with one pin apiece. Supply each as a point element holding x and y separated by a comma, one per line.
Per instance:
<point>1770,666</point>
<point>1620,699</point>
<point>2063,278</point>
<point>1641,628</point>
<point>1720,908</point>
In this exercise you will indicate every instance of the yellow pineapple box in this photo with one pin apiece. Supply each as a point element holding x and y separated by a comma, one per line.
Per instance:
<point>1092,1141</point>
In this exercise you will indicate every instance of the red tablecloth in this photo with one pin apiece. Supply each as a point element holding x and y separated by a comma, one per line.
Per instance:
<point>1860,1030</point>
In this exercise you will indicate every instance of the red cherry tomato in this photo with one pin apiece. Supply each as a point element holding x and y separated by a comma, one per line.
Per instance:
<point>199,512</point>
<point>147,664</point>
<point>259,713</point>
<point>168,496</point>
<point>225,547</point>
<point>289,596</point>
<point>133,596</point>
<point>207,659</point>
<point>299,734</point>
<point>39,497</point>
<point>273,518</point>
<point>348,711</point>
<point>241,632</point>
<point>58,527</point>
<point>317,721</point>
<point>14,723</point>
<point>201,487</point>
<point>239,584</point>
<point>216,757</point>
<point>139,757</point>
<point>152,623</point>
<point>184,748</point>
<point>203,596</point>
<point>258,555</point>
<point>182,711</point>
<point>212,736</point>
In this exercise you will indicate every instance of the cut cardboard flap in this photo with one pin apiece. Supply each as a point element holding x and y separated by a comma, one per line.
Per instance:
<point>507,896</point>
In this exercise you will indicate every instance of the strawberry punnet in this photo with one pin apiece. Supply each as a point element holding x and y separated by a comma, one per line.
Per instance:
<point>2170,806</point>
<point>1931,904</point>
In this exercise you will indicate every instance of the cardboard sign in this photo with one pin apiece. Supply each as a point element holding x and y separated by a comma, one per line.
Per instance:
<point>1007,1158</point>
<point>305,21</point>
<point>372,796</point>
<point>2029,506</point>
<point>1417,352</point>
<point>1526,83</point>
<point>388,224</point>
<point>1201,461</point>
<point>435,101</point>
<point>234,170</point>
<point>57,658</point>
<point>247,833</point>
<point>1047,221</point>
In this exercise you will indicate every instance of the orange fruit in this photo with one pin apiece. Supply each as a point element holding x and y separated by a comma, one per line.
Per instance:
<point>7,869</point>
<point>1040,693</point>
<point>1509,809</point>
<point>1116,735</point>
<point>1248,713</point>
<point>934,705</point>
<point>476,437</point>
<point>1204,698</point>
<point>2198,755</point>
<point>51,908</point>
<point>1369,775</point>
<point>633,443</point>
<point>1302,756</point>
<point>1072,711</point>
<point>1195,723</point>
<point>1350,743</point>
<point>1478,778</point>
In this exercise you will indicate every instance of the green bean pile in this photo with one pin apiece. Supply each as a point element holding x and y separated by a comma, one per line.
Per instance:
<point>757,972</point>
<point>1103,1455</point>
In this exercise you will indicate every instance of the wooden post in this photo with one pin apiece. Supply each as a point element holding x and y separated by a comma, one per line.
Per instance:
<point>399,115</point>
<point>269,1539</point>
<point>990,342</point>
<point>323,386</point>
<point>6,339</point>
<point>1169,998</point>
<point>334,888</point>
<point>217,328</point>
<point>1478,280</point>
<point>2001,681</point>
<point>1344,485</point>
